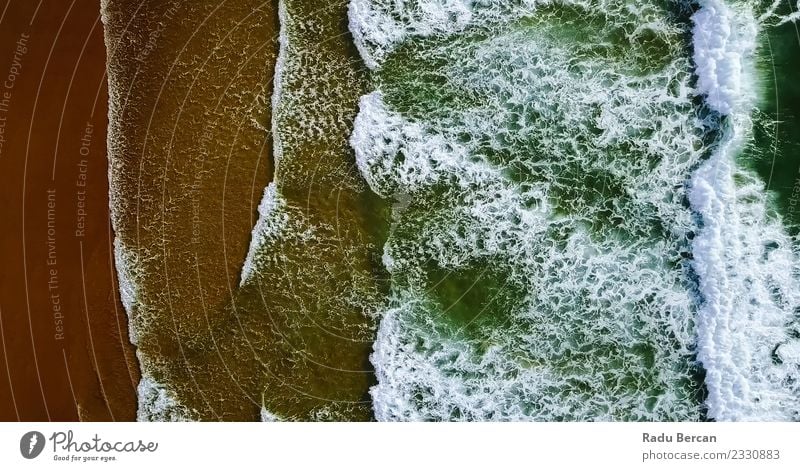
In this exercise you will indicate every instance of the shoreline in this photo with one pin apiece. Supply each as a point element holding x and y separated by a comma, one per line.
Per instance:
<point>65,351</point>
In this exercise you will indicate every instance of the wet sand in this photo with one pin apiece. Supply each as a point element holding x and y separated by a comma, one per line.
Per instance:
<point>192,125</point>
<point>191,84</point>
<point>64,350</point>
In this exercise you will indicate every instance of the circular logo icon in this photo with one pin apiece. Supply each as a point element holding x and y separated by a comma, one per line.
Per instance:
<point>31,445</point>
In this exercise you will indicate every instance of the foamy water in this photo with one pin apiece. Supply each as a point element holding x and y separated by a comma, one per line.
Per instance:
<point>539,232</point>
<point>272,218</point>
<point>157,404</point>
<point>595,319</point>
<point>573,232</point>
<point>743,256</point>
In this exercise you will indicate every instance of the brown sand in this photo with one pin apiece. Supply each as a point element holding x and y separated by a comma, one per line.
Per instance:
<point>64,353</point>
<point>191,84</point>
<point>191,87</point>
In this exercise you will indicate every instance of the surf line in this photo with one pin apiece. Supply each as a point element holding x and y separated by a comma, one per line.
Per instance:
<point>740,255</point>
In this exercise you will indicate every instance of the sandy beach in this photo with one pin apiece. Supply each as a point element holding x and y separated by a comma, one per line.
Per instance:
<point>64,349</point>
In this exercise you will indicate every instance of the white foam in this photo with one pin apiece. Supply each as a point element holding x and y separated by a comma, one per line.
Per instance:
<point>590,295</point>
<point>277,94</point>
<point>272,220</point>
<point>724,43</point>
<point>267,416</point>
<point>395,155</point>
<point>747,271</point>
<point>744,259</point>
<point>379,26</point>
<point>521,372</point>
<point>127,284</point>
<point>157,404</point>
<point>119,204</point>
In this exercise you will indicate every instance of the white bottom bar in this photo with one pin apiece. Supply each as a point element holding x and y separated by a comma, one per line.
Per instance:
<point>318,446</point>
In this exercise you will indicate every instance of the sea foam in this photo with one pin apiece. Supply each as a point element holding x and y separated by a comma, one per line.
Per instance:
<point>126,280</point>
<point>157,404</point>
<point>272,219</point>
<point>378,27</point>
<point>724,44</point>
<point>539,227</point>
<point>743,257</point>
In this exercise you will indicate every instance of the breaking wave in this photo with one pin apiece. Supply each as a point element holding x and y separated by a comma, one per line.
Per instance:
<point>572,236</point>
<point>743,256</point>
<point>539,247</point>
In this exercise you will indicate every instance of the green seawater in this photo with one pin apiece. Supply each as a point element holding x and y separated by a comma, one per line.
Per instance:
<point>539,267</point>
<point>775,150</point>
<point>516,245</point>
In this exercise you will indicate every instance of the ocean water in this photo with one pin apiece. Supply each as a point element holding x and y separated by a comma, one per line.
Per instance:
<point>189,86</point>
<point>506,210</point>
<point>775,151</point>
<point>744,257</point>
<point>248,246</point>
<point>577,230</point>
<point>312,283</point>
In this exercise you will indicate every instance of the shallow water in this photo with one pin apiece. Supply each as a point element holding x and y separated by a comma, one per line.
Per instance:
<point>279,313</point>
<point>509,210</point>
